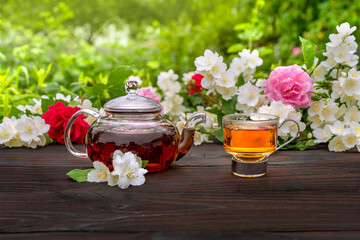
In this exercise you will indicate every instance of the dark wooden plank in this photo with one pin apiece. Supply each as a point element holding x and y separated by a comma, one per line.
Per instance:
<point>180,235</point>
<point>304,192</point>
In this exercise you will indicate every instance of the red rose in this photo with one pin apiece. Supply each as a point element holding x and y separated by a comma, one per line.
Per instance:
<point>58,116</point>
<point>197,86</point>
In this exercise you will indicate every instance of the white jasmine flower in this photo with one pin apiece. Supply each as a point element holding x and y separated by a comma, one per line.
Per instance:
<point>336,40</point>
<point>35,143</point>
<point>218,69</point>
<point>315,121</point>
<point>280,110</point>
<point>227,93</point>
<point>350,85</point>
<point>341,111</point>
<point>337,90</point>
<point>355,127</point>
<point>41,125</point>
<point>244,108</point>
<point>349,100</point>
<point>167,106</point>
<point>315,107</point>
<point>227,80</point>
<point>167,81</point>
<point>206,62</point>
<point>101,173</point>
<point>24,108</point>
<point>60,96</point>
<point>199,138</point>
<point>27,129</point>
<point>330,62</point>
<point>254,60</point>
<point>11,122</point>
<point>14,142</point>
<point>328,113</point>
<point>338,128</point>
<point>128,168</point>
<point>237,66</point>
<point>337,145</point>
<point>264,109</point>
<point>344,29</point>
<point>293,129</point>
<point>177,110</point>
<point>135,78</point>
<point>319,73</point>
<point>249,94</point>
<point>208,81</point>
<point>172,104</point>
<point>322,135</point>
<point>353,60</point>
<point>341,53</point>
<point>354,74</point>
<point>6,133</point>
<point>181,124</point>
<point>260,82</point>
<point>350,140</point>
<point>352,115</point>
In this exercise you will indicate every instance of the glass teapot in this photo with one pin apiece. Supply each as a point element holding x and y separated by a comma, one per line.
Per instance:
<point>134,123</point>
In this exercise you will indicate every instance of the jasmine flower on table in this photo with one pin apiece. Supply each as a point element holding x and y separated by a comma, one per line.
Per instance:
<point>127,171</point>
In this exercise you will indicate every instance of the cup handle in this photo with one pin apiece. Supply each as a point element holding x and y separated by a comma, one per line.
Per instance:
<point>67,137</point>
<point>293,138</point>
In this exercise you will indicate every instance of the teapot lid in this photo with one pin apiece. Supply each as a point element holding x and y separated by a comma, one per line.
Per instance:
<point>132,102</point>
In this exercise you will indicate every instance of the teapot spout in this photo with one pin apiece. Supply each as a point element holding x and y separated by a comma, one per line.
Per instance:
<point>188,132</point>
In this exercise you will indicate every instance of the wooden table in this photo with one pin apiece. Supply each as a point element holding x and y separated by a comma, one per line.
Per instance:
<point>312,194</point>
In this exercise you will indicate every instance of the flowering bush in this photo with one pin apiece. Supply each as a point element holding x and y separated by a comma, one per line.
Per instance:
<point>322,95</point>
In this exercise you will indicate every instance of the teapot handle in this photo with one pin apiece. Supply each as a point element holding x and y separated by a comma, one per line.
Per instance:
<point>67,137</point>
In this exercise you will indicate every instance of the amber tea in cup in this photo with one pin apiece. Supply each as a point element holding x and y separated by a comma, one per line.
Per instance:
<point>250,139</point>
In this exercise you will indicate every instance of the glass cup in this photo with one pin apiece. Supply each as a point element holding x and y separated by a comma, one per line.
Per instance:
<point>250,139</point>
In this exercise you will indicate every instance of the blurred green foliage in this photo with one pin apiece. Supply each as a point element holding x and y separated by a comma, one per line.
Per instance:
<point>68,46</point>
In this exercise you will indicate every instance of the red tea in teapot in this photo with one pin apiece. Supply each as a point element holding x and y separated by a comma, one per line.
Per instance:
<point>159,147</point>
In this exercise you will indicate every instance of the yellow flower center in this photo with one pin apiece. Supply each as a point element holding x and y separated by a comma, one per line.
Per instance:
<point>131,175</point>
<point>28,129</point>
<point>102,174</point>
<point>4,134</point>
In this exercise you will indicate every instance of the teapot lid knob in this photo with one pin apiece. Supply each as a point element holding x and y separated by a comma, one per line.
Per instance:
<point>131,86</point>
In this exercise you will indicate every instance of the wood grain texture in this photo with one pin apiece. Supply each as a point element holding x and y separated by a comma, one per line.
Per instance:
<point>312,194</point>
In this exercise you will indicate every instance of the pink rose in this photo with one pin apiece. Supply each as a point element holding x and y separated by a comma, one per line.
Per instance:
<point>146,92</point>
<point>290,85</point>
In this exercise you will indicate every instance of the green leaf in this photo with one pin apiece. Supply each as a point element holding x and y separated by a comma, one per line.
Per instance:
<point>311,143</point>
<point>76,86</point>
<point>196,100</point>
<point>144,163</point>
<point>235,48</point>
<point>303,145</point>
<point>308,51</point>
<point>96,90</point>
<point>229,106</point>
<point>118,76</point>
<point>243,26</point>
<point>153,64</point>
<point>52,88</point>
<point>45,103</point>
<point>79,175</point>
<point>219,134</point>
<point>116,92</point>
